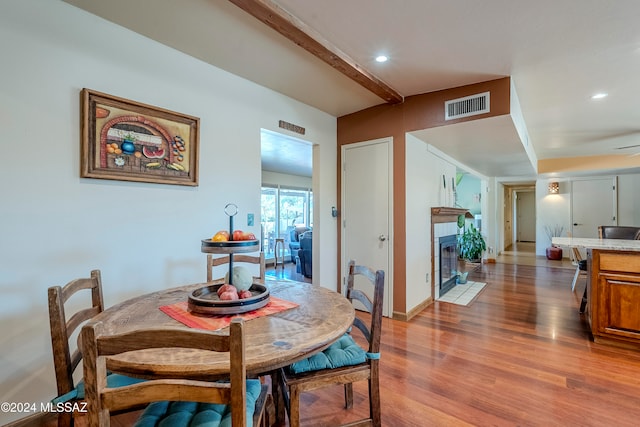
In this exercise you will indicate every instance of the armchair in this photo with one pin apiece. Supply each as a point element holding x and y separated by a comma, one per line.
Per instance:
<point>304,253</point>
<point>294,240</point>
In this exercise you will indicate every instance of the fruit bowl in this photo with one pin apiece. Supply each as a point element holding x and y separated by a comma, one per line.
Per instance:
<point>231,246</point>
<point>205,300</point>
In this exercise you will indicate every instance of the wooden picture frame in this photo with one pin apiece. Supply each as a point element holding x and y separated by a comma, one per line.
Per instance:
<point>130,141</point>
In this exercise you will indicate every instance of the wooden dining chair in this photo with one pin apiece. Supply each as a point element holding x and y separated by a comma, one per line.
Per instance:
<point>578,262</point>
<point>66,355</point>
<point>175,401</point>
<point>618,232</point>
<point>344,362</point>
<point>237,258</point>
<point>63,325</point>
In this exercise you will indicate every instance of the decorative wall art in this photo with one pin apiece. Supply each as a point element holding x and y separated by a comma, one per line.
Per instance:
<point>129,141</point>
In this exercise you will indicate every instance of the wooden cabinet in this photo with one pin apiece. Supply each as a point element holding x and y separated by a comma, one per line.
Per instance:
<point>614,297</point>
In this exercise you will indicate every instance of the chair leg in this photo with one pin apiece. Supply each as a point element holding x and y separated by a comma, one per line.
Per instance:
<point>268,417</point>
<point>374,400</point>
<point>294,406</point>
<point>583,304</point>
<point>65,419</point>
<point>280,396</point>
<point>575,279</point>
<point>348,395</point>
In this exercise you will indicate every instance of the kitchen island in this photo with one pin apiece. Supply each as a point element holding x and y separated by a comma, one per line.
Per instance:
<point>613,288</point>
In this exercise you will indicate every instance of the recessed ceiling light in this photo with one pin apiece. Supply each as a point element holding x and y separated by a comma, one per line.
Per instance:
<point>599,96</point>
<point>381,58</point>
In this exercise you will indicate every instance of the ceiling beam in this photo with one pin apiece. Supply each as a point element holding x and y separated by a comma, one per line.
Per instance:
<point>298,32</point>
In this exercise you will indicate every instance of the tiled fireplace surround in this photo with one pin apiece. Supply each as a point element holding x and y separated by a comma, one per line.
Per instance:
<point>444,222</point>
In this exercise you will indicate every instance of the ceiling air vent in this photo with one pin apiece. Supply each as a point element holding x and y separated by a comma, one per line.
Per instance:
<point>467,106</point>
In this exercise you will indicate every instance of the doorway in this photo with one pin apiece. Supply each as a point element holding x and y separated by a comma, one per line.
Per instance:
<point>519,220</point>
<point>287,190</point>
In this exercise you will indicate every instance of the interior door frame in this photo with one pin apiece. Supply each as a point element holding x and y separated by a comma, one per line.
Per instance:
<point>390,238</point>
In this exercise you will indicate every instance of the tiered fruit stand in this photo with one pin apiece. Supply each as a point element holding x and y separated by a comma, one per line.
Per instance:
<point>205,300</point>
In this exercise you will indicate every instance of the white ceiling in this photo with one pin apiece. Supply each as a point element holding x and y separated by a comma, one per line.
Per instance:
<point>558,52</point>
<point>285,154</point>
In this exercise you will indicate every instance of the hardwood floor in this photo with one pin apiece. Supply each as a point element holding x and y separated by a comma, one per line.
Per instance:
<point>286,272</point>
<point>519,355</point>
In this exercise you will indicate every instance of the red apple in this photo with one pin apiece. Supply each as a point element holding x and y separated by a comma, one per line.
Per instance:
<point>245,294</point>
<point>229,296</point>
<point>237,235</point>
<point>226,288</point>
<point>248,236</point>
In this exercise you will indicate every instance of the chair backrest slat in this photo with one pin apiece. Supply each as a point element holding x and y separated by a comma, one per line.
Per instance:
<point>162,338</point>
<point>237,258</point>
<point>80,317</point>
<point>577,256</point>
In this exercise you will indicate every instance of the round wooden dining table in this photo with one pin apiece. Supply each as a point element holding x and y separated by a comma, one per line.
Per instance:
<point>271,342</point>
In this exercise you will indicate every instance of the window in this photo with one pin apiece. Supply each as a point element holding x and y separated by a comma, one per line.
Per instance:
<point>282,210</point>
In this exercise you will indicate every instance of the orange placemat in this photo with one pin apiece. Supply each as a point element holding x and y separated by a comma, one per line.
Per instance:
<point>212,322</point>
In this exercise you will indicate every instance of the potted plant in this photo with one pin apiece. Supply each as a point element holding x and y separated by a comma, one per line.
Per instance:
<point>553,252</point>
<point>471,244</point>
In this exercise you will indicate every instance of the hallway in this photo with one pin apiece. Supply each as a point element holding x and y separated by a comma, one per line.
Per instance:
<point>524,253</point>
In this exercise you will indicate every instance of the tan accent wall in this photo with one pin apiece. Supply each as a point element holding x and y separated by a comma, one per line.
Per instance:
<point>587,163</point>
<point>417,112</point>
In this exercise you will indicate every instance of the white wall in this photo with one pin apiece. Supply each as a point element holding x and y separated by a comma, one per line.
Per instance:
<point>420,198</point>
<point>628,200</point>
<point>56,226</point>
<point>468,194</point>
<point>551,210</point>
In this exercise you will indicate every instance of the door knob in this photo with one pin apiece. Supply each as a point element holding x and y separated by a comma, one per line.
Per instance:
<point>575,223</point>
<point>382,237</point>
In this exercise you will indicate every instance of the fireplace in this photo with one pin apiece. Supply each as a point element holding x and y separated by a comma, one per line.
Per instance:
<point>448,263</point>
<point>444,224</point>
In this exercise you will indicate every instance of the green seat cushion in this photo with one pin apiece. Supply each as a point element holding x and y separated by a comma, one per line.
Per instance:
<point>195,414</point>
<point>344,352</point>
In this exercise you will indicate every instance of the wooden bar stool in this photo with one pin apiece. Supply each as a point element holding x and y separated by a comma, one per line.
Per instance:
<point>275,252</point>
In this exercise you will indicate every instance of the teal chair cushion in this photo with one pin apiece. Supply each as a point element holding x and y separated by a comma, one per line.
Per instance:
<point>113,381</point>
<point>344,352</point>
<point>194,414</point>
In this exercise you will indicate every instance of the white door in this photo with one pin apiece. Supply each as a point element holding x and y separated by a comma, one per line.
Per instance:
<point>366,209</point>
<point>526,211</point>
<point>508,217</point>
<point>593,203</point>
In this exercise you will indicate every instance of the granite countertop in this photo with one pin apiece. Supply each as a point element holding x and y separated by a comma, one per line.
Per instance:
<point>609,244</point>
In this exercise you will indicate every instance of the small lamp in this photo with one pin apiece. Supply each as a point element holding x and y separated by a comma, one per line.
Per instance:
<point>554,188</point>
